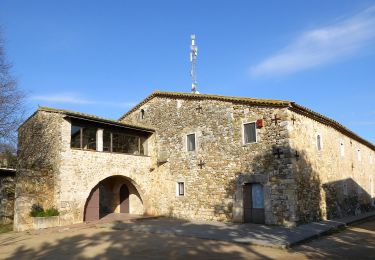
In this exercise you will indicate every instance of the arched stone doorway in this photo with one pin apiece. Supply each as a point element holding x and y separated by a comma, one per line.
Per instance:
<point>115,194</point>
<point>124,199</point>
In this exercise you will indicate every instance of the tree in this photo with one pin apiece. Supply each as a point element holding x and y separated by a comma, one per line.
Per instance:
<point>11,102</point>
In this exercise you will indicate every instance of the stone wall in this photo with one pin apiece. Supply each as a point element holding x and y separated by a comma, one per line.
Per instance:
<point>80,171</point>
<point>38,155</point>
<point>214,192</point>
<point>300,183</point>
<point>332,182</point>
<point>7,186</point>
<point>53,174</point>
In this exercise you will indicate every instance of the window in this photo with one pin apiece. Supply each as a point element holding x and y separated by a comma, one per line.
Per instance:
<point>180,189</point>
<point>191,142</point>
<point>142,113</point>
<point>123,143</point>
<point>370,159</point>
<point>83,137</point>
<point>249,134</point>
<point>359,155</point>
<point>107,141</point>
<point>319,142</point>
<point>88,138</point>
<point>75,137</point>
<point>342,149</point>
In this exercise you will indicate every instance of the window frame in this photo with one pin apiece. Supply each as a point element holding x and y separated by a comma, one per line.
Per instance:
<point>195,142</point>
<point>244,134</point>
<point>82,127</point>
<point>139,142</point>
<point>178,191</point>
<point>320,144</point>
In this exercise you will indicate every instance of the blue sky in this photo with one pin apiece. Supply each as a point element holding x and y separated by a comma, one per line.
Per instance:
<point>102,57</point>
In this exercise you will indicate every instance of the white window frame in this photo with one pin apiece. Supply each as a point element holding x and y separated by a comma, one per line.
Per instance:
<point>178,188</point>
<point>243,132</point>
<point>321,142</point>
<point>195,142</point>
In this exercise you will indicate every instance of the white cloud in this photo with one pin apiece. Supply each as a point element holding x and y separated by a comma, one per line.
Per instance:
<point>71,98</point>
<point>320,46</point>
<point>61,98</point>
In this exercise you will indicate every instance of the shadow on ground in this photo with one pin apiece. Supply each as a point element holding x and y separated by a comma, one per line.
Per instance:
<point>357,242</point>
<point>114,242</point>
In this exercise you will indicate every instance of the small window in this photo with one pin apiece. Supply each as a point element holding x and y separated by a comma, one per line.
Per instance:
<point>359,155</point>
<point>250,135</point>
<point>142,113</point>
<point>342,149</point>
<point>191,142</point>
<point>180,188</point>
<point>370,159</point>
<point>319,142</point>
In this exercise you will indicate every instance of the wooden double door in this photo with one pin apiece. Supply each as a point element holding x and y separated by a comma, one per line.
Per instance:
<point>253,203</point>
<point>93,206</point>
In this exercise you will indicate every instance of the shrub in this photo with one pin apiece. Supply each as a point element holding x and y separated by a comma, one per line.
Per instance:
<point>51,212</point>
<point>38,211</point>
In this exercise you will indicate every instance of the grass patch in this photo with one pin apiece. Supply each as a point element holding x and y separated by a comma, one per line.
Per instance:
<point>4,228</point>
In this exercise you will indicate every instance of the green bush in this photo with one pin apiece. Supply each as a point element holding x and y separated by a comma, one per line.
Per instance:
<point>38,211</point>
<point>52,212</point>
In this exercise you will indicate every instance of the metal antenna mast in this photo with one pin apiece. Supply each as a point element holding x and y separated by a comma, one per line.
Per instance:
<point>193,61</point>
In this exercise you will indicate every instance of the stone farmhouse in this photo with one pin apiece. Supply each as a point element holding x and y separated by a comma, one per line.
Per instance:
<point>195,157</point>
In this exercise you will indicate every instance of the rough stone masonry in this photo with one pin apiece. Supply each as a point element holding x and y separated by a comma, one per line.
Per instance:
<point>195,162</point>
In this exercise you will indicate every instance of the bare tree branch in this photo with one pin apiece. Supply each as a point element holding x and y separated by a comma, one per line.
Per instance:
<point>11,102</point>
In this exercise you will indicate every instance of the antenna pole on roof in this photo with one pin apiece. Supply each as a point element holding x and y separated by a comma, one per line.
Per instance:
<point>193,61</point>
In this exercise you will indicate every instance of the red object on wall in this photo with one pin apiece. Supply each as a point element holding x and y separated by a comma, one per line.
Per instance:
<point>260,123</point>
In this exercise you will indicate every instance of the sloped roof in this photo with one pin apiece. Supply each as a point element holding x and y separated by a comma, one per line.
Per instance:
<point>260,102</point>
<point>184,95</point>
<point>92,118</point>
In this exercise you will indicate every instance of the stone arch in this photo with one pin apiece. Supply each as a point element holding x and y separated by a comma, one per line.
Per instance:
<point>104,198</point>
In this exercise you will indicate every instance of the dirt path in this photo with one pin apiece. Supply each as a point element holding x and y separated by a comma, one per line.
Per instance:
<point>87,242</point>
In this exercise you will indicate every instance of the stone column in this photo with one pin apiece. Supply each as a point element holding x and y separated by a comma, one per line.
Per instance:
<point>99,140</point>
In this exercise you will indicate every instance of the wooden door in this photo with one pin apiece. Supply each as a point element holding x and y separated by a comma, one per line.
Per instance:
<point>92,206</point>
<point>253,203</point>
<point>124,199</point>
